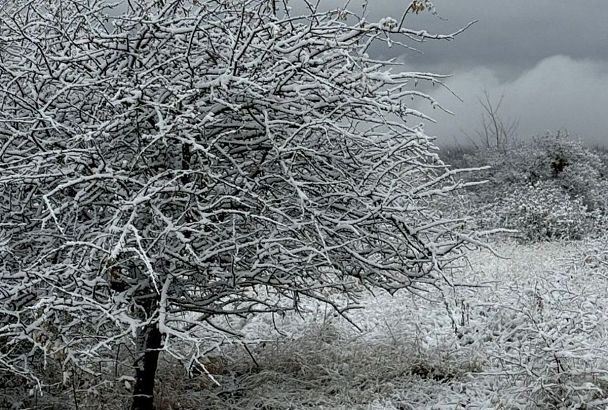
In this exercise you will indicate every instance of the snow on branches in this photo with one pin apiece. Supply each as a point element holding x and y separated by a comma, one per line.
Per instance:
<point>223,157</point>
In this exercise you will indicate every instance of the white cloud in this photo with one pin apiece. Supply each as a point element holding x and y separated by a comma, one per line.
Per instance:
<point>558,93</point>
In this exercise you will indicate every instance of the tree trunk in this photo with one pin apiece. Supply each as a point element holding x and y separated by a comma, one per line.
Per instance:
<point>145,368</point>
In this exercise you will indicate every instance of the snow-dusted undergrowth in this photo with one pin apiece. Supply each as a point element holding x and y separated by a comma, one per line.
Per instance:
<point>528,334</point>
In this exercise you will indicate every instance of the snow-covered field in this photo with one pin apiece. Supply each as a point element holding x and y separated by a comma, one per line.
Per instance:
<point>523,331</point>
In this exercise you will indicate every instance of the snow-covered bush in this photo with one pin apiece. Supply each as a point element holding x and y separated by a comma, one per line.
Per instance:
<point>541,211</point>
<point>539,158</point>
<point>547,188</point>
<point>588,182</point>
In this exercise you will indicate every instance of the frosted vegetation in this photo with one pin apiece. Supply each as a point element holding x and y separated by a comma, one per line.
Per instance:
<point>528,331</point>
<point>550,187</point>
<point>231,204</point>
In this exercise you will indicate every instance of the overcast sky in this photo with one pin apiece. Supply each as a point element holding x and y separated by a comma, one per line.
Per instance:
<point>548,57</point>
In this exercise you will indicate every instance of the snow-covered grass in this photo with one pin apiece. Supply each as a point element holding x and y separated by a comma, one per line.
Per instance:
<point>527,331</point>
<point>524,331</point>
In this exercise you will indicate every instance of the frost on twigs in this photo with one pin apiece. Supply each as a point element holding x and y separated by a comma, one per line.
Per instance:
<point>165,164</point>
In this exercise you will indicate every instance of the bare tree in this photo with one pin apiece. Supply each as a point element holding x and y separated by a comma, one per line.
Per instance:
<point>164,165</point>
<point>495,132</point>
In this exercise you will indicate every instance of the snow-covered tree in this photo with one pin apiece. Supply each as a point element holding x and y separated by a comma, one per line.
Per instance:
<point>167,164</point>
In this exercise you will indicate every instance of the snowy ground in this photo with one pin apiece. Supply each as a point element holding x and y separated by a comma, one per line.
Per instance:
<point>528,333</point>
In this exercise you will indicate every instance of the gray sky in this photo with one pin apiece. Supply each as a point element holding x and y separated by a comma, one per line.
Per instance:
<point>548,57</point>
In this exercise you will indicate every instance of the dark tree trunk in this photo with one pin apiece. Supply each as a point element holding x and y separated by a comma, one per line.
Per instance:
<point>145,368</point>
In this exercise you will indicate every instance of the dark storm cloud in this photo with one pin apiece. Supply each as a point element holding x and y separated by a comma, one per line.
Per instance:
<point>559,93</point>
